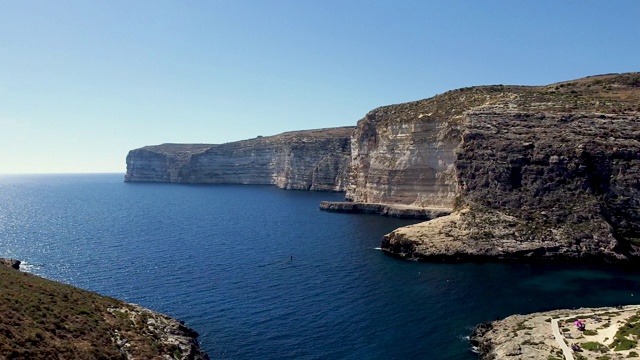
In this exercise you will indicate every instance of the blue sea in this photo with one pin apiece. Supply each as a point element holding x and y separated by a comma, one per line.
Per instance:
<point>261,273</point>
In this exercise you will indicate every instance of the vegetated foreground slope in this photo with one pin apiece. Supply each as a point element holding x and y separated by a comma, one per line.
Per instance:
<point>43,319</point>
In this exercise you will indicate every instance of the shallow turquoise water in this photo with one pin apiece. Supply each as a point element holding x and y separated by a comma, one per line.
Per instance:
<point>261,273</point>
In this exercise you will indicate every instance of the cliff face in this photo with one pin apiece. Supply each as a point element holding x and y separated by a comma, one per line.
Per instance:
<point>402,155</point>
<point>160,163</point>
<point>303,160</point>
<point>532,173</point>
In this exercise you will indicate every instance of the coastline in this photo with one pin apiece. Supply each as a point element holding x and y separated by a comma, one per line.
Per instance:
<point>550,335</point>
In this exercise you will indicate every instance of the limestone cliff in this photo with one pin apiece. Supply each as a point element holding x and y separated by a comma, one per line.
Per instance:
<point>401,154</point>
<point>510,172</point>
<point>160,163</point>
<point>532,173</point>
<point>303,160</point>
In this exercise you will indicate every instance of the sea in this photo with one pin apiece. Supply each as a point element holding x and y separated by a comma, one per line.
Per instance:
<point>262,273</point>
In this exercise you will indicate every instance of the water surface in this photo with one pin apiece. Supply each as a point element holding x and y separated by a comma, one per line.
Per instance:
<point>261,273</point>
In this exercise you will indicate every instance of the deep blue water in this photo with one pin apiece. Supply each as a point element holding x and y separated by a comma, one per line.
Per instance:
<point>261,273</point>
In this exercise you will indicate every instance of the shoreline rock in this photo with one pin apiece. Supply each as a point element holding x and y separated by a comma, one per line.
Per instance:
<point>12,263</point>
<point>390,210</point>
<point>486,235</point>
<point>171,333</point>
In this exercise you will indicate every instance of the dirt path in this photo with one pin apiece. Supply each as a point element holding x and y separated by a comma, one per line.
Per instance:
<point>566,351</point>
<point>560,338</point>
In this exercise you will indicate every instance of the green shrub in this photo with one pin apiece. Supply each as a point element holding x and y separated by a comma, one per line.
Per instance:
<point>592,346</point>
<point>621,344</point>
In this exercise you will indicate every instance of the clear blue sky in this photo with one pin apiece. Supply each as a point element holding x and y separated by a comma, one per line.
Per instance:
<point>83,82</point>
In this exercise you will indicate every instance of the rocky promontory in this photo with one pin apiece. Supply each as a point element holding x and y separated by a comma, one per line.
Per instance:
<point>44,319</point>
<point>300,160</point>
<point>548,173</point>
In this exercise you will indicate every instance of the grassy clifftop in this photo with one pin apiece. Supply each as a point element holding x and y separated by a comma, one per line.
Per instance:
<point>611,93</point>
<point>43,319</point>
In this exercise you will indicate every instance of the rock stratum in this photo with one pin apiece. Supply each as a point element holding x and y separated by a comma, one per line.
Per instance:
<point>44,319</point>
<point>516,173</point>
<point>300,160</point>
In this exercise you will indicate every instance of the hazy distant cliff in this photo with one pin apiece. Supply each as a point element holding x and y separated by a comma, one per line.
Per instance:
<point>525,172</point>
<point>305,160</point>
<point>160,163</point>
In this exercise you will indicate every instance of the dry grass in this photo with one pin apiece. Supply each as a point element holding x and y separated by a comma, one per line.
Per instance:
<point>611,93</point>
<point>43,319</point>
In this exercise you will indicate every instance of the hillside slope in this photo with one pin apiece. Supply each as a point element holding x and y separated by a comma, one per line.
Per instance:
<point>43,319</point>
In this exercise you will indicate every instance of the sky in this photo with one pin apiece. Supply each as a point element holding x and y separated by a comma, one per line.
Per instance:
<point>83,82</point>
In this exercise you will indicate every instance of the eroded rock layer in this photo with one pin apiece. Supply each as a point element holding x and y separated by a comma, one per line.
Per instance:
<point>302,160</point>
<point>391,210</point>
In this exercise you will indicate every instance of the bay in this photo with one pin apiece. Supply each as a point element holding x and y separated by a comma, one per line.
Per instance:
<point>261,273</point>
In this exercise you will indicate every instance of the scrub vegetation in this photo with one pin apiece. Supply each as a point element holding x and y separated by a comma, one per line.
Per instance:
<point>43,319</point>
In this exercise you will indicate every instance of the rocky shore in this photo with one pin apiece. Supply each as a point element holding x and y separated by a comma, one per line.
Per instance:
<point>533,174</point>
<point>608,333</point>
<point>43,319</point>
<point>390,210</point>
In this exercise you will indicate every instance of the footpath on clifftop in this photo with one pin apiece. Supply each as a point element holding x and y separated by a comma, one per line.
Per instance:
<point>607,333</point>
